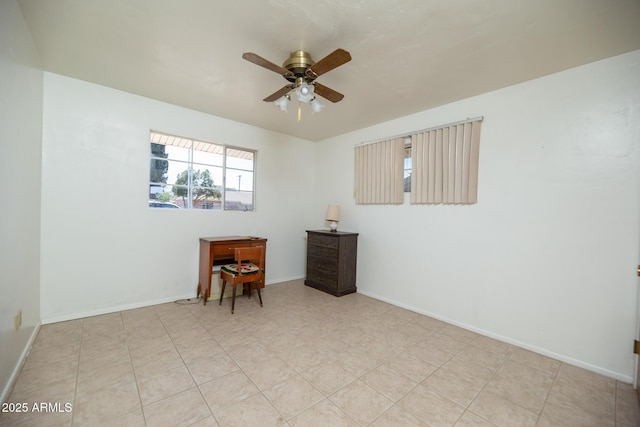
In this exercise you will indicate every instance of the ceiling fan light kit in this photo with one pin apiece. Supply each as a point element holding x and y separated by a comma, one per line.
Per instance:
<point>304,91</point>
<point>283,101</point>
<point>301,71</point>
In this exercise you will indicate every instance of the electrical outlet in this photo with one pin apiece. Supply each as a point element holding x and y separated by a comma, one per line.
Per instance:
<point>17,321</point>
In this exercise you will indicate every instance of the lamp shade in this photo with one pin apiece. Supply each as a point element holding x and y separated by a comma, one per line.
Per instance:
<point>316,106</point>
<point>282,102</point>
<point>304,92</point>
<point>333,213</point>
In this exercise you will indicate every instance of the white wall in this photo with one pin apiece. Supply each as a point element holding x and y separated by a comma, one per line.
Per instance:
<point>20,154</point>
<point>547,257</point>
<point>103,249</point>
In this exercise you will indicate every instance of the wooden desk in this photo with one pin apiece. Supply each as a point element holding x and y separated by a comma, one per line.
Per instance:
<point>219,251</point>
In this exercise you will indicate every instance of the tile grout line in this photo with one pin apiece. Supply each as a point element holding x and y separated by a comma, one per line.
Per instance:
<point>194,380</point>
<point>495,373</point>
<point>133,368</point>
<point>546,399</point>
<point>184,364</point>
<point>75,388</point>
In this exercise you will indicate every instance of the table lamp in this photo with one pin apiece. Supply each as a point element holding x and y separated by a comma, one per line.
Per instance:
<point>333,216</point>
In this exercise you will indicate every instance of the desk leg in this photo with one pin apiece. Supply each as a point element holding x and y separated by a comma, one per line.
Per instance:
<point>203,292</point>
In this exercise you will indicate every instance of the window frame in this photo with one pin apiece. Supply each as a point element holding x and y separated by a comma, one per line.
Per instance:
<point>192,145</point>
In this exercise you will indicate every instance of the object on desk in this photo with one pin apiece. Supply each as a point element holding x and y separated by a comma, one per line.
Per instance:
<point>217,251</point>
<point>247,270</point>
<point>333,216</point>
<point>331,261</point>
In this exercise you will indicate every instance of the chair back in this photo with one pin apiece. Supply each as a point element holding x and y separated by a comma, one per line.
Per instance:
<point>253,254</point>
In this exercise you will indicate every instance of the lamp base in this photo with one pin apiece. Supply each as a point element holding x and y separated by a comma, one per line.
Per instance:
<point>333,226</point>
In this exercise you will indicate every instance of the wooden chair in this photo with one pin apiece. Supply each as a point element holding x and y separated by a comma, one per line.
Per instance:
<point>251,270</point>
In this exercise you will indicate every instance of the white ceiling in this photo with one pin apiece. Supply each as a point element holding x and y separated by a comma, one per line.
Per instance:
<point>408,55</point>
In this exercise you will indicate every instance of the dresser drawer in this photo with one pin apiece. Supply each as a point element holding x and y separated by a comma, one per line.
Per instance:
<point>323,240</point>
<point>321,266</point>
<point>329,281</point>
<point>322,252</point>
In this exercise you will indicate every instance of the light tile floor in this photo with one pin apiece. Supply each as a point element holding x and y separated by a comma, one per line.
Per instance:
<point>305,359</point>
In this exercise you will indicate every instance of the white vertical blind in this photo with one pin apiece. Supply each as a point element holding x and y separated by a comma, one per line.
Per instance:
<point>445,164</point>
<point>379,172</point>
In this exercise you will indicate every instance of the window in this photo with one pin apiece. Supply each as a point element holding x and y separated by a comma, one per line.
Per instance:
<point>407,165</point>
<point>445,164</point>
<point>436,166</point>
<point>191,174</point>
<point>379,172</point>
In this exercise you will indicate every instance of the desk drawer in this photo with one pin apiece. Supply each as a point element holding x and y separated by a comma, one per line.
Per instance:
<point>227,249</point>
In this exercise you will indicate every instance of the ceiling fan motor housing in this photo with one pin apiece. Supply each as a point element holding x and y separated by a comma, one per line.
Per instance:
<point>298,63</point>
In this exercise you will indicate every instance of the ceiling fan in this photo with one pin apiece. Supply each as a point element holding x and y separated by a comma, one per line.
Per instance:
<point>301,71</point>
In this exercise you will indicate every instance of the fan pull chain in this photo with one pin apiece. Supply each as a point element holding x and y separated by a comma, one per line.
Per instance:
<point>299,113</point>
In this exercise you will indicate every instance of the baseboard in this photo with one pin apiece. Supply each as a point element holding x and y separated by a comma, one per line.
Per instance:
<point>542,351</point>
<point>20,363</point>
<point>283,279</point>
<point>114,309</point>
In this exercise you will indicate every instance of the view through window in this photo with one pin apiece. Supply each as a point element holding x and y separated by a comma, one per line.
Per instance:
<point>189,174</point>
<point>407,165</point>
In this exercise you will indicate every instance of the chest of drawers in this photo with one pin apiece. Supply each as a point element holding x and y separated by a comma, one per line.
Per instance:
<point>331,261</point>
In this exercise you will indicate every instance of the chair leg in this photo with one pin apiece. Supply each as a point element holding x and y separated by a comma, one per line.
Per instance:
<point>258,289</point>
<point>233,298</point>
<point>224,284</point>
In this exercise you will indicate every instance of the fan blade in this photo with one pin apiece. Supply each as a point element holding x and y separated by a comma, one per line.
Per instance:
<point>278,94</point>
<point>327,92</point>
<point>258,60</point>
<point>329,62</point>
